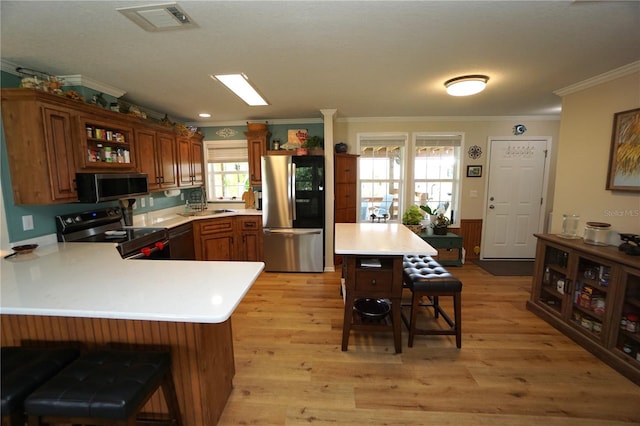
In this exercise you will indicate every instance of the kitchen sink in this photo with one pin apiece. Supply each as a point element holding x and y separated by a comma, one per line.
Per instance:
<point>206,212</point>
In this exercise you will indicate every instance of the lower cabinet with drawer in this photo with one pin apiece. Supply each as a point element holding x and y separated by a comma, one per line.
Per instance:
<point>214,239</point>
<point>449,248</point>
<point>372,278</point>
<point>229,238</point>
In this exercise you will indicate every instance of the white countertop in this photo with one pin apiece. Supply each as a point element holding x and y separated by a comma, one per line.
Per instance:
<point>91,280</point>
<point>381,239</point>
<point>172,217</point>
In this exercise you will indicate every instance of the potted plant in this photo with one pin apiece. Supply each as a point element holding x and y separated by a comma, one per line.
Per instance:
<point>314,145</point>
<point>412,218</point>
<point>441,224</point>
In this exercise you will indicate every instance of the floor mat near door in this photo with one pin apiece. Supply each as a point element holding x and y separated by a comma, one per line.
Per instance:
<point>507,267</point>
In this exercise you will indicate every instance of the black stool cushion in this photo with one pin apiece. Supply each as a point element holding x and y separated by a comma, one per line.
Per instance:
<point>423,273</point>
<point>105,384</point>
<point>24,369</point>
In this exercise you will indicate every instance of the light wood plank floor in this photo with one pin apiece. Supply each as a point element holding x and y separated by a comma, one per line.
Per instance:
<point>513,368</point>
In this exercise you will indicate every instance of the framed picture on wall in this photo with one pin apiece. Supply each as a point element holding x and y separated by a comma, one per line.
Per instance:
<point>474,171</point>
<point>624,160</point>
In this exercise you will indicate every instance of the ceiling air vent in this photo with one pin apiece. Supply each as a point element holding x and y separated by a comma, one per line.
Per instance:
<point>159,17</point>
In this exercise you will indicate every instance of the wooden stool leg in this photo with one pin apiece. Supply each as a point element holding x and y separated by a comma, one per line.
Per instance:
<point>415,305</point>
<point>457,311</point>
<point>170,396</point>
<point>436,306</point>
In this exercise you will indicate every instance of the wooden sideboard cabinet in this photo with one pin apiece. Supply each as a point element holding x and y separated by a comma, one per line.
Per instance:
<point>449,248</point>
<point>256,148</point>
<point>591,294</point>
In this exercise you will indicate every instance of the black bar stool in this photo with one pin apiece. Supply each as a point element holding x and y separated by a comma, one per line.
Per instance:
<point>105,388</point>
<point>427,278</point>
<point>23,370</point>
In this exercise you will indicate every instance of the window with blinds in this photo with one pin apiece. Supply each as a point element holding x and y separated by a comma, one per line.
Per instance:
<point>227,169</point>
<point>381,174</point>
<point>395,172</point>
<point>436,172</point>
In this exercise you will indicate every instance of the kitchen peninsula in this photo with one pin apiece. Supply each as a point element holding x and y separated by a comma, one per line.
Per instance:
<point>86,293</point>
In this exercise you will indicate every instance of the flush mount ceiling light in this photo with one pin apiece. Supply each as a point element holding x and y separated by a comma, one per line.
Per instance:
<point>466,85</point>
<point>159,17</point>
<point>242,87</point>
<point>204,115</point>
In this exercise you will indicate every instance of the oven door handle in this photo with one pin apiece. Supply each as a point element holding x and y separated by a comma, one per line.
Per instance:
<point>148,251</point>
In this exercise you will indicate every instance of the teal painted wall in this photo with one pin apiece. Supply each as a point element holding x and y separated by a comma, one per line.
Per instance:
<point>44,216</point>
<point>278,131</point>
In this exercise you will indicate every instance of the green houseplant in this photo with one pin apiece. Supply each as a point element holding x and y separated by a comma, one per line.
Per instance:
<point>315,145</point>
<point>441,224</point>
<point>412,217</point>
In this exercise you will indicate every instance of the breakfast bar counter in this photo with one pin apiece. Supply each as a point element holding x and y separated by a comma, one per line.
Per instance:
<point>373,254</point>
<point>86,293</point>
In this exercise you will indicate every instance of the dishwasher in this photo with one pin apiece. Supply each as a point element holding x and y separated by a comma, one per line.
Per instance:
<point>181,242</point>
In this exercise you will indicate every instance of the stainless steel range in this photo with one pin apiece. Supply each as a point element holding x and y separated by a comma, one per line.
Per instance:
<point>106,225</point>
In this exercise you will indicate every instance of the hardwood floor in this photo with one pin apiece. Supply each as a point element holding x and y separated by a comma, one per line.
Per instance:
<point>513,368</point>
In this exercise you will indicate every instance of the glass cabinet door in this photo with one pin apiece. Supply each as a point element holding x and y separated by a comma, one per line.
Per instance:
<point>554,279</point>
<point>590,298</point>
<point>627,335</point>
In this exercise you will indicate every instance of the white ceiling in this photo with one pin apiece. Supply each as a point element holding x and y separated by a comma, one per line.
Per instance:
<point>365,59</point>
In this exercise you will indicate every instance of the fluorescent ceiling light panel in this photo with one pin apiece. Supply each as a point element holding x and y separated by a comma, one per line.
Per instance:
<point>242,87</point>
<point>159,17</point>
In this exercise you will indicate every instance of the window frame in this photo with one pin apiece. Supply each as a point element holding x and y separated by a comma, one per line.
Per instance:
<point>239,145</point>
<point>406,189</point>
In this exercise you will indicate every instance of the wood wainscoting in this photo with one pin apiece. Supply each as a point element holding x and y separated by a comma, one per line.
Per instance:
<point>471,232</point>
<point>201,354</point>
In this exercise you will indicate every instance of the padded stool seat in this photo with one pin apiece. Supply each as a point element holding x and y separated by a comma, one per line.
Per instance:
<point>104,387</point>
<point>23,370</point>
<point>427,278</point>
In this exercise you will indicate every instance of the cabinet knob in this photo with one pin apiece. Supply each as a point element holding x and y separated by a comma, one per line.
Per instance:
<point>373,282</point>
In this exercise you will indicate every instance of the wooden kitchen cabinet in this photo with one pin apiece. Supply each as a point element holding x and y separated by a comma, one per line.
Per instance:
<point>107,145</point>
<point>256,148</point>
<point>588,292</point>
<point>40,139</point>
<point>251,238</point>
<point>215,239</point>
<point>346,190</point>
<point>157,157</point>
<point>190,161</point>
<point>229,238</point>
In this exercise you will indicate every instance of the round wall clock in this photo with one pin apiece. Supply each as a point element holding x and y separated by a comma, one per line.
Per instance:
<point>475,152</point>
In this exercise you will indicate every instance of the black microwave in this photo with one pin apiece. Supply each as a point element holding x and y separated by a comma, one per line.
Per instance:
<point>99,187</point>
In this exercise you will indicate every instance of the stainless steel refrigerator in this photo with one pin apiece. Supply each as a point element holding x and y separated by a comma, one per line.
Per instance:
<point>293,213</point>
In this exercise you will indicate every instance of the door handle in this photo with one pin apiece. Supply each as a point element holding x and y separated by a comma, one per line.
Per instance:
<point>491,206</point>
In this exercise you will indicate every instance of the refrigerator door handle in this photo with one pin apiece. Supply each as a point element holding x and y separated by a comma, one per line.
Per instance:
<point>293,191</point>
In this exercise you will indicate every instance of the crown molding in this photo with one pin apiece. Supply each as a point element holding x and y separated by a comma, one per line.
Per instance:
<point>599,79</point>
<point>449,118</point>
<point>244,123</point>
<point>70,80</point>
<point>83,81</point>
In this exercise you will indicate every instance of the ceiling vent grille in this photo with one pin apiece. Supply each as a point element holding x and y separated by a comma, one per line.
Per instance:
<point>159,17</point>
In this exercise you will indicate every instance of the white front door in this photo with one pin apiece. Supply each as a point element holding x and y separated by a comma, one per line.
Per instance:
<point>515,200</point>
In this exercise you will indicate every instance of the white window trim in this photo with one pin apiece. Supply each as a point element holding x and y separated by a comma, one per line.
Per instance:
<point>237,143</point>
<point>410,172</point>
<point>381,136</point>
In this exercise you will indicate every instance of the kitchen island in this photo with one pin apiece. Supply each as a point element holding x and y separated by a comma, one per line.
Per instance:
<point>373,254</point>
<point>86,293</point>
